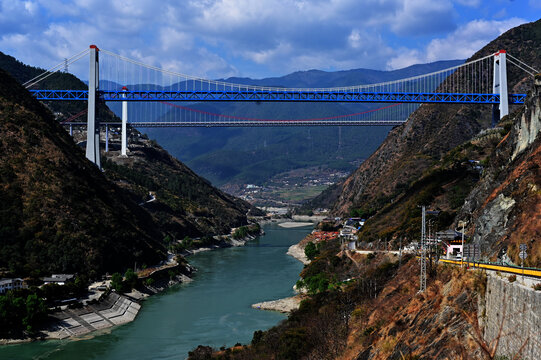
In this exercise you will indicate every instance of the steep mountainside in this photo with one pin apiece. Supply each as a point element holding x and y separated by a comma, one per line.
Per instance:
<point>431,131</point>
<point>183,203</point>
<point>58,211</point>
<point>504,208</point>
<point>62,109</point>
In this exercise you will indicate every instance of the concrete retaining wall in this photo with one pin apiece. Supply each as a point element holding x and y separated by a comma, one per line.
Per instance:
<point>516,309</point>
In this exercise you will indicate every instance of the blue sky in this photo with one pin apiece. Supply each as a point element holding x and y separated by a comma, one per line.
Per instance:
<point>259,38</point>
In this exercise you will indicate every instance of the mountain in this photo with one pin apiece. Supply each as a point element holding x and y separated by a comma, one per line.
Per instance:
<point>252,155</point>
<point>504,209</point>
<point>318,78</point>
<point>59,212</point>
<point>181,202</point>
<point>425,161</point>
<point>60,80</point>
<point>433,130</point>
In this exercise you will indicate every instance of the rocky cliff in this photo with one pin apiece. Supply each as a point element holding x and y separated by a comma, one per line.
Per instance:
<point>431,132</point>
<point>504,208</point>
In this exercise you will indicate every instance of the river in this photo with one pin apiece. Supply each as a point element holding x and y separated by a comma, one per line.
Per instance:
<point>214,309</point>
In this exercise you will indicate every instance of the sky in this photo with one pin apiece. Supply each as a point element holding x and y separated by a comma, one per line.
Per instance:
<point>259,38</point>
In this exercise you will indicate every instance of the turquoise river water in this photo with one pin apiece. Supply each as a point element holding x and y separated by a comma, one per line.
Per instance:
<point>214,309</point>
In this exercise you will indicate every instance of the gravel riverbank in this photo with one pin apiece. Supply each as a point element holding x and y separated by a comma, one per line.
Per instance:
<point>297,251</point>
<point>286,305</point>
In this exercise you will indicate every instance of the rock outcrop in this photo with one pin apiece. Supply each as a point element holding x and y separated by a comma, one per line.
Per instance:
<point>504,209</point>
<point>432,131</point>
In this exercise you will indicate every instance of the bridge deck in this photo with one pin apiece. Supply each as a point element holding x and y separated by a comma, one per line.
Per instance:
<point>265,123</point>
<point>284,96</point>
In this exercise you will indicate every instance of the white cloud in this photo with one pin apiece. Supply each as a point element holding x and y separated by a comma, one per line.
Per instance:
<point>405,58</point>
<point>460,44</point>
<point>424,17</point>
<point>213,37</point>
<point>468,39</point>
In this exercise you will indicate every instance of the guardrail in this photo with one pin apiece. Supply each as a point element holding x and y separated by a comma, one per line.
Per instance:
<point>497,267</point>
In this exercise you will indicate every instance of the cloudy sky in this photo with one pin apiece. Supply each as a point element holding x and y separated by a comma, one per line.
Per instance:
<point>259,38</point>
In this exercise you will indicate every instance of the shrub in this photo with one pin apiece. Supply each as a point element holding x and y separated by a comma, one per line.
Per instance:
<point>311,251</point>
<point>327,226</point>
<point>116,282</point>
<point>131,279</point>
<point>258,336</point>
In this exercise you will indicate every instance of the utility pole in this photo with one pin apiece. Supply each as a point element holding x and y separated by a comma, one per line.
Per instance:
<point>400,254</point>
<point>523,255</point>
<point>422,280</point>
<point>462,252</point>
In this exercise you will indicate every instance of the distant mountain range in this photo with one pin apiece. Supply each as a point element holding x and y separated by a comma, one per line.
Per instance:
<point>253,155</point>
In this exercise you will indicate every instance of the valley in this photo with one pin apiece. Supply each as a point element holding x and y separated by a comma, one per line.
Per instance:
<point>412,231</point>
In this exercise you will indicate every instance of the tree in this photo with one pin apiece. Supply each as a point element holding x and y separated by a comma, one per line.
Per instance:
<point>117,283</point>
<point>131,279</point>
<point>187,242</point>
<point>36,312</point>
<point>311,251</point>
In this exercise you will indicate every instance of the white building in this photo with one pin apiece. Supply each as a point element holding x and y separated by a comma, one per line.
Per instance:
<point>10,284</point>
<point>59,279</point>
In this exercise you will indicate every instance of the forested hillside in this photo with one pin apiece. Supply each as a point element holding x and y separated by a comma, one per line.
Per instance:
<point>59,212</point>
<point>425,161</point>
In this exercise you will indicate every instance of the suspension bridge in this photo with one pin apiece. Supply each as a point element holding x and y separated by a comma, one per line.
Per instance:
<point>115,78</point>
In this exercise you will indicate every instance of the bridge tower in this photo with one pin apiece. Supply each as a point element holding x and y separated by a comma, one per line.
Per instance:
<point>124,134</point>
<point>93,126</point>
<point>499,86</point>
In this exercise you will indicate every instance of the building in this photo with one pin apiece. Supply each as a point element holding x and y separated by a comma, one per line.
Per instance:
<point>452,240</point>
<point>453,249</point>
<point>10,284</point>
<point>59,279</point>
<point>348,232</point>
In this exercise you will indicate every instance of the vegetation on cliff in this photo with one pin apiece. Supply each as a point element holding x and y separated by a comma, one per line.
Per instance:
<point>438,157</point>
<point>59,213</point>
<point>182,203</point>
<point>432,131</point>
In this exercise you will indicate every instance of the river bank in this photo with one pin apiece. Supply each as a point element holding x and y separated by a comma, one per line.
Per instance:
<point>285,305</point>
<point>114,309</point>
<point>213,309</point>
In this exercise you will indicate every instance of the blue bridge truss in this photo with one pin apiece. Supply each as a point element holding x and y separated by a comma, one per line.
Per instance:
<point>281,96</point>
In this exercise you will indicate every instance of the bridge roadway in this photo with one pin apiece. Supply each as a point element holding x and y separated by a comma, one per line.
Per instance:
<point>300,95</point>
<point>248,123</point>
